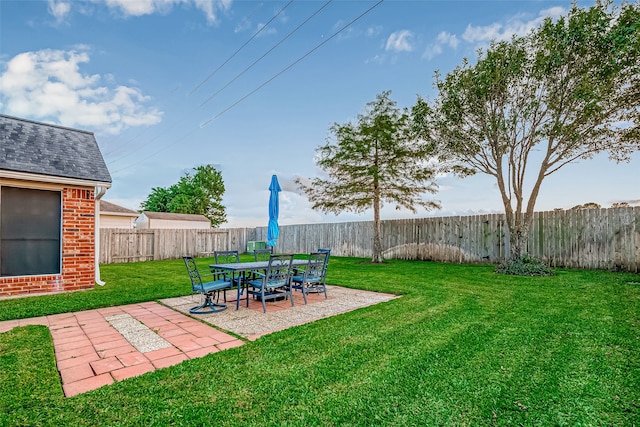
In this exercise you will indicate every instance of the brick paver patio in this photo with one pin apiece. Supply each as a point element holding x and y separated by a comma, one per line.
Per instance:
<point>90,353</point>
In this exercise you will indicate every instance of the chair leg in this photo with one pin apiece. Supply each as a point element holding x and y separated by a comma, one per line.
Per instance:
<point>262,298</point>
<point>293,288</point>
<point>320,288</point>
<point>213,307</point>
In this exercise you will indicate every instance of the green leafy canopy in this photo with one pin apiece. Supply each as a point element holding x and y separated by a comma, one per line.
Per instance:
<point>200,193</point>
<point>529,106</point>
<point>376,159</point>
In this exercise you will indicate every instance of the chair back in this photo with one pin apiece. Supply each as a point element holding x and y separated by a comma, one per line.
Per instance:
<point>316,270</point>
<point>194,274</point>
<point>278,271</point>
<point>326,261</point>
<point>226,257</point>
<point>262,254</point>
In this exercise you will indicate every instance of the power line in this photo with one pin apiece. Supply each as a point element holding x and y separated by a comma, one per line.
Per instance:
<point>184,137</point>
<point>205,123</point>
<point>142,146</point>
<point>265,54</point>
<point>158,151</point>
<point>240,48</point>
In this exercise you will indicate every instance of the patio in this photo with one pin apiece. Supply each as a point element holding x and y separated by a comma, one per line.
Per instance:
<point>94,348</point>
<point>253,323</point>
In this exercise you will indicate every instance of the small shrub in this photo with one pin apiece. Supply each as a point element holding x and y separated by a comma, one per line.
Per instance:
<point>525,265</point>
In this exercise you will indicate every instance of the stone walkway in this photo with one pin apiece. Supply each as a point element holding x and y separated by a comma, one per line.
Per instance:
<point>94,348</point>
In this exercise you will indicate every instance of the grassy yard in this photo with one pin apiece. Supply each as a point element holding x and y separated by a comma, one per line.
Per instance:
<point>463,346</point>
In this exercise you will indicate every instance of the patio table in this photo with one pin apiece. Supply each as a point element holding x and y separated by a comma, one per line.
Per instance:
<point>240,270</point>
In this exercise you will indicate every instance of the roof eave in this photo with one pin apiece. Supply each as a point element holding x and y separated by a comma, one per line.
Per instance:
<point>131,215</point>
<point>25,176</point>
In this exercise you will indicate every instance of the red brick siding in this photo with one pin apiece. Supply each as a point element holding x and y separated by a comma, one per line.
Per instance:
<point>78,242</point>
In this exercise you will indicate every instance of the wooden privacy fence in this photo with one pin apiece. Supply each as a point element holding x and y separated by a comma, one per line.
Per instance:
<point>581,238</point>
<point>127,245</point>
<point>588,238</point>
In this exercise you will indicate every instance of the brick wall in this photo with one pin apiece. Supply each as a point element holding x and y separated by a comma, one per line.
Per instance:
<point>78,242</point>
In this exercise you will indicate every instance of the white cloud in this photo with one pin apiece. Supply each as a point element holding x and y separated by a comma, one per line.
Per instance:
<point>400,41</point>
<point>244,25</point>
<point>514,26</point>
<point>59,9</point>
<point>482,35</point>
<point>264,30</point>
<point>210,8</point>
<point>443,39</point>
<point>485,33</point>
<point>48,85</point>
<point>448,39</point>
<point>138,7</point>
<point>432,51</point>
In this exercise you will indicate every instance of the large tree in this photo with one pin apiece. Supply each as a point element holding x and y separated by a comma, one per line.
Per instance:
<point>529,106</point>
<point>200,193</point>
<point>374,160</point>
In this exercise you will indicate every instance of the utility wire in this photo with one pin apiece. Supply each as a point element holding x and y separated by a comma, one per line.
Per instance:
<point>205,123</point>
<point>155,153</point>
<point>240,48</point>
<point>142,146</point>
<point>265,54</point>
<point>250,93</point>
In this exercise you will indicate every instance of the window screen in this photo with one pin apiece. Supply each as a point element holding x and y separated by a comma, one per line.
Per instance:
<point>30,223</point>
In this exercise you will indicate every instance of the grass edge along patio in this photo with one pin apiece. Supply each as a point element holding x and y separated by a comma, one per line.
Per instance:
<point>463,346</point>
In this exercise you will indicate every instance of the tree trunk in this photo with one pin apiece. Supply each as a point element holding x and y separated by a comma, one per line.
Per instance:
<point>377,244</point>
<point>377,229</point>
<point>377,240</point>
<point>515,239</point>
<point>519,235</point>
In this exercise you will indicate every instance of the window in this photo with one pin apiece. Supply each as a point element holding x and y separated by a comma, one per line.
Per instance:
<point>30,231</point>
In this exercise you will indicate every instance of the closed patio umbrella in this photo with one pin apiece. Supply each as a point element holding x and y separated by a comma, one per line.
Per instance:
<point>274,207</point>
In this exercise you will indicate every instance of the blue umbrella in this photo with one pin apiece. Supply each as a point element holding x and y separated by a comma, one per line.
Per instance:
<point>274,207</point>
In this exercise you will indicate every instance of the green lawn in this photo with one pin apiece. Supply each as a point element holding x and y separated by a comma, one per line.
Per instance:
<point>463,346</point>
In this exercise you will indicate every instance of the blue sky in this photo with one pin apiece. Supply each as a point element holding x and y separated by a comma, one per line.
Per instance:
<point>253,88</point>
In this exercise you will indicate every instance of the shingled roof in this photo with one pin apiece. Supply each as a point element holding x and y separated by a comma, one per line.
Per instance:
<point>108,207</point>
<point>44,149</point>
<point>175,216</point>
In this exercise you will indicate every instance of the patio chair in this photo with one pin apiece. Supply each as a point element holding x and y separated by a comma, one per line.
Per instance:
<point>326,251</point>
<point>274,283</point>
<point>262,254</point>
<point>226,257</point>
<point>209,289</point>
<point>312,278</point>
<point>229,257</point>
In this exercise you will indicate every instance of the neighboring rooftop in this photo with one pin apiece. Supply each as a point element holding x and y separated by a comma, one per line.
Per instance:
<point>175,216</point>
<point>113,208</point>
<point>44,149</point>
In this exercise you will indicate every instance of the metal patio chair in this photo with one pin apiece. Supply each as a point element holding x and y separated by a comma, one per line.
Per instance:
<point>209,289</point>
<point>262,254</point>
<point>328,252</point>
<point>274,283</point>
<point>236,282</point>
<point>312,279</point>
